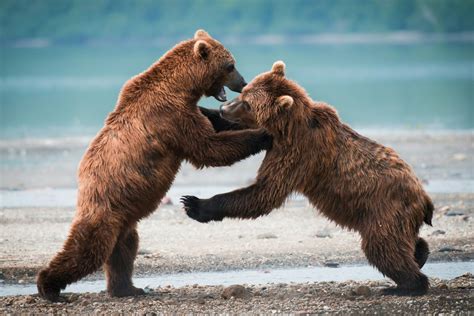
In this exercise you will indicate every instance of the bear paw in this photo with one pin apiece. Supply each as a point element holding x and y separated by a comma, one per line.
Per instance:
<point>197,210</point>
<point>48,289</point>
<point>398,291</point>
<point>126,291</point>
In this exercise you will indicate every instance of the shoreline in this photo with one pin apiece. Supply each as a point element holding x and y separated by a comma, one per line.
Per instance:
<point>340,298</point>
<point>394,37</point>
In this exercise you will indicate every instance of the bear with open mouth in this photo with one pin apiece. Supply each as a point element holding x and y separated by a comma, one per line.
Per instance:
<point>133,160</point>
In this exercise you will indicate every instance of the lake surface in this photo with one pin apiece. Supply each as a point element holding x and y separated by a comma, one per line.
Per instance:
<point>68,91</point>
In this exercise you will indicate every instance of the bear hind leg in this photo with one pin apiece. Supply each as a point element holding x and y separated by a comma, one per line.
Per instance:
<point>422,252</point>
<point>119,266</point>
<point>395,259</point>
<point>85,251</point>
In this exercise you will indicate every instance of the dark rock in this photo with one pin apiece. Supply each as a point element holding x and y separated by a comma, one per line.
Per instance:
<point>331,264</point>
<point>438,232</point>
<point>449,249</point>
<point>454,213</point>
<point>237,291</point>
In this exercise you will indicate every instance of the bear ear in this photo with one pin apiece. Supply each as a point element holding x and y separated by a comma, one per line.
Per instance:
<point>278,68</point>
<point>201,34</point>
<point>202,49</point>
<point>285,101</point>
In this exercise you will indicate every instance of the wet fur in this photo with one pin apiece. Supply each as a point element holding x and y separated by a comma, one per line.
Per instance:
<point>354,181</point>
<point>133,160</point>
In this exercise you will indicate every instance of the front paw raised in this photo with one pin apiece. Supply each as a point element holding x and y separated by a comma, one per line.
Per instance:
<point>198,210</point>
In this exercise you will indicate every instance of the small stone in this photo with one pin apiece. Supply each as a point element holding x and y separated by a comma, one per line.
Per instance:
<point>438,232</point>
<point>444,209</point>
<point>30,300</point>
<point>442,286</point>
<point>236,291</point>
<point>21,281</point>
<point>454,213</point>
<point>267,236</point>
<point>143,252</point>
<point>331,264</point>
<point>362,290</point>
<point>449,249</point>
<point>323,234</point>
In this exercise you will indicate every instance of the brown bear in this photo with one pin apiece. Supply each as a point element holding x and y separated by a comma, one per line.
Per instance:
<point>133,160</point>
<point>354,181</point>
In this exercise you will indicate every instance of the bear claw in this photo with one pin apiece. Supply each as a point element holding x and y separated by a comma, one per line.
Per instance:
<point>191,206</point>
<point>194,209</point>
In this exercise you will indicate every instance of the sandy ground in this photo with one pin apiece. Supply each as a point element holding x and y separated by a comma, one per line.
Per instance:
<point>293,236</point>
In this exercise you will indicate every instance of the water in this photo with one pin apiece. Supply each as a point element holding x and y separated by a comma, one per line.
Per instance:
<point>64,91</point>
<point>443,270</point>
<point>66,197</point>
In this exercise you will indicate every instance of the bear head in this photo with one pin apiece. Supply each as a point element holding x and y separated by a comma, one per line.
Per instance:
<point>215,67</point>
<point>270,101</point>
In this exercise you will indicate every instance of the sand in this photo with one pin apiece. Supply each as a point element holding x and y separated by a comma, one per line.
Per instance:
<point>295,235</point>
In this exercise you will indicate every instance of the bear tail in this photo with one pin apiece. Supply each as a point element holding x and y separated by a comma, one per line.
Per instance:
<point>429,208</point>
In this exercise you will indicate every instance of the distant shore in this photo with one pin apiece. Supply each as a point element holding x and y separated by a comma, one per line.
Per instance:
<point>402,37</point>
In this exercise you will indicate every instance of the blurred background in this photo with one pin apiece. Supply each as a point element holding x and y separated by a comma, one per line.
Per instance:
<point>386,65</point>
<point>383,63</point>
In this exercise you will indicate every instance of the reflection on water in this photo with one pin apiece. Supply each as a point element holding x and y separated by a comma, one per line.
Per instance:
<point>61,91</point>
<point>443,270</point>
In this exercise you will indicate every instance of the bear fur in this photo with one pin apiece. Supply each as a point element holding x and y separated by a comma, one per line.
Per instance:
<point>133,160</point>
<point>354,181</point>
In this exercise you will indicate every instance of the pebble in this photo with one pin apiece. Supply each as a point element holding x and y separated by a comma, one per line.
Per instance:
<point>444,209</point>
<point>236,291</point>
<point>442,286</point>
<point>323,235</point>
<point>438,232</point>
<point>454,213</point>
<point>267,236</point>
<point>449,249</point>
<point>331,264</point>
<point>362,290</point>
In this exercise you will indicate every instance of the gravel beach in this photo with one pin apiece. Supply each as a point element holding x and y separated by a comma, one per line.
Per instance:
<point>295,235</point>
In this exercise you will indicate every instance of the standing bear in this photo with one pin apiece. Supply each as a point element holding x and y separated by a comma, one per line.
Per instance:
<point>354,181</point>
<point>133,160</point>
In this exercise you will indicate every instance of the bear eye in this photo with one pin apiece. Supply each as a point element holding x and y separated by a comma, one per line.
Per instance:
<point>230,68</point>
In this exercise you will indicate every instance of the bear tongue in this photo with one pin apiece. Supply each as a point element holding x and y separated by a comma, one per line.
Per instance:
<point>221,96</point>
